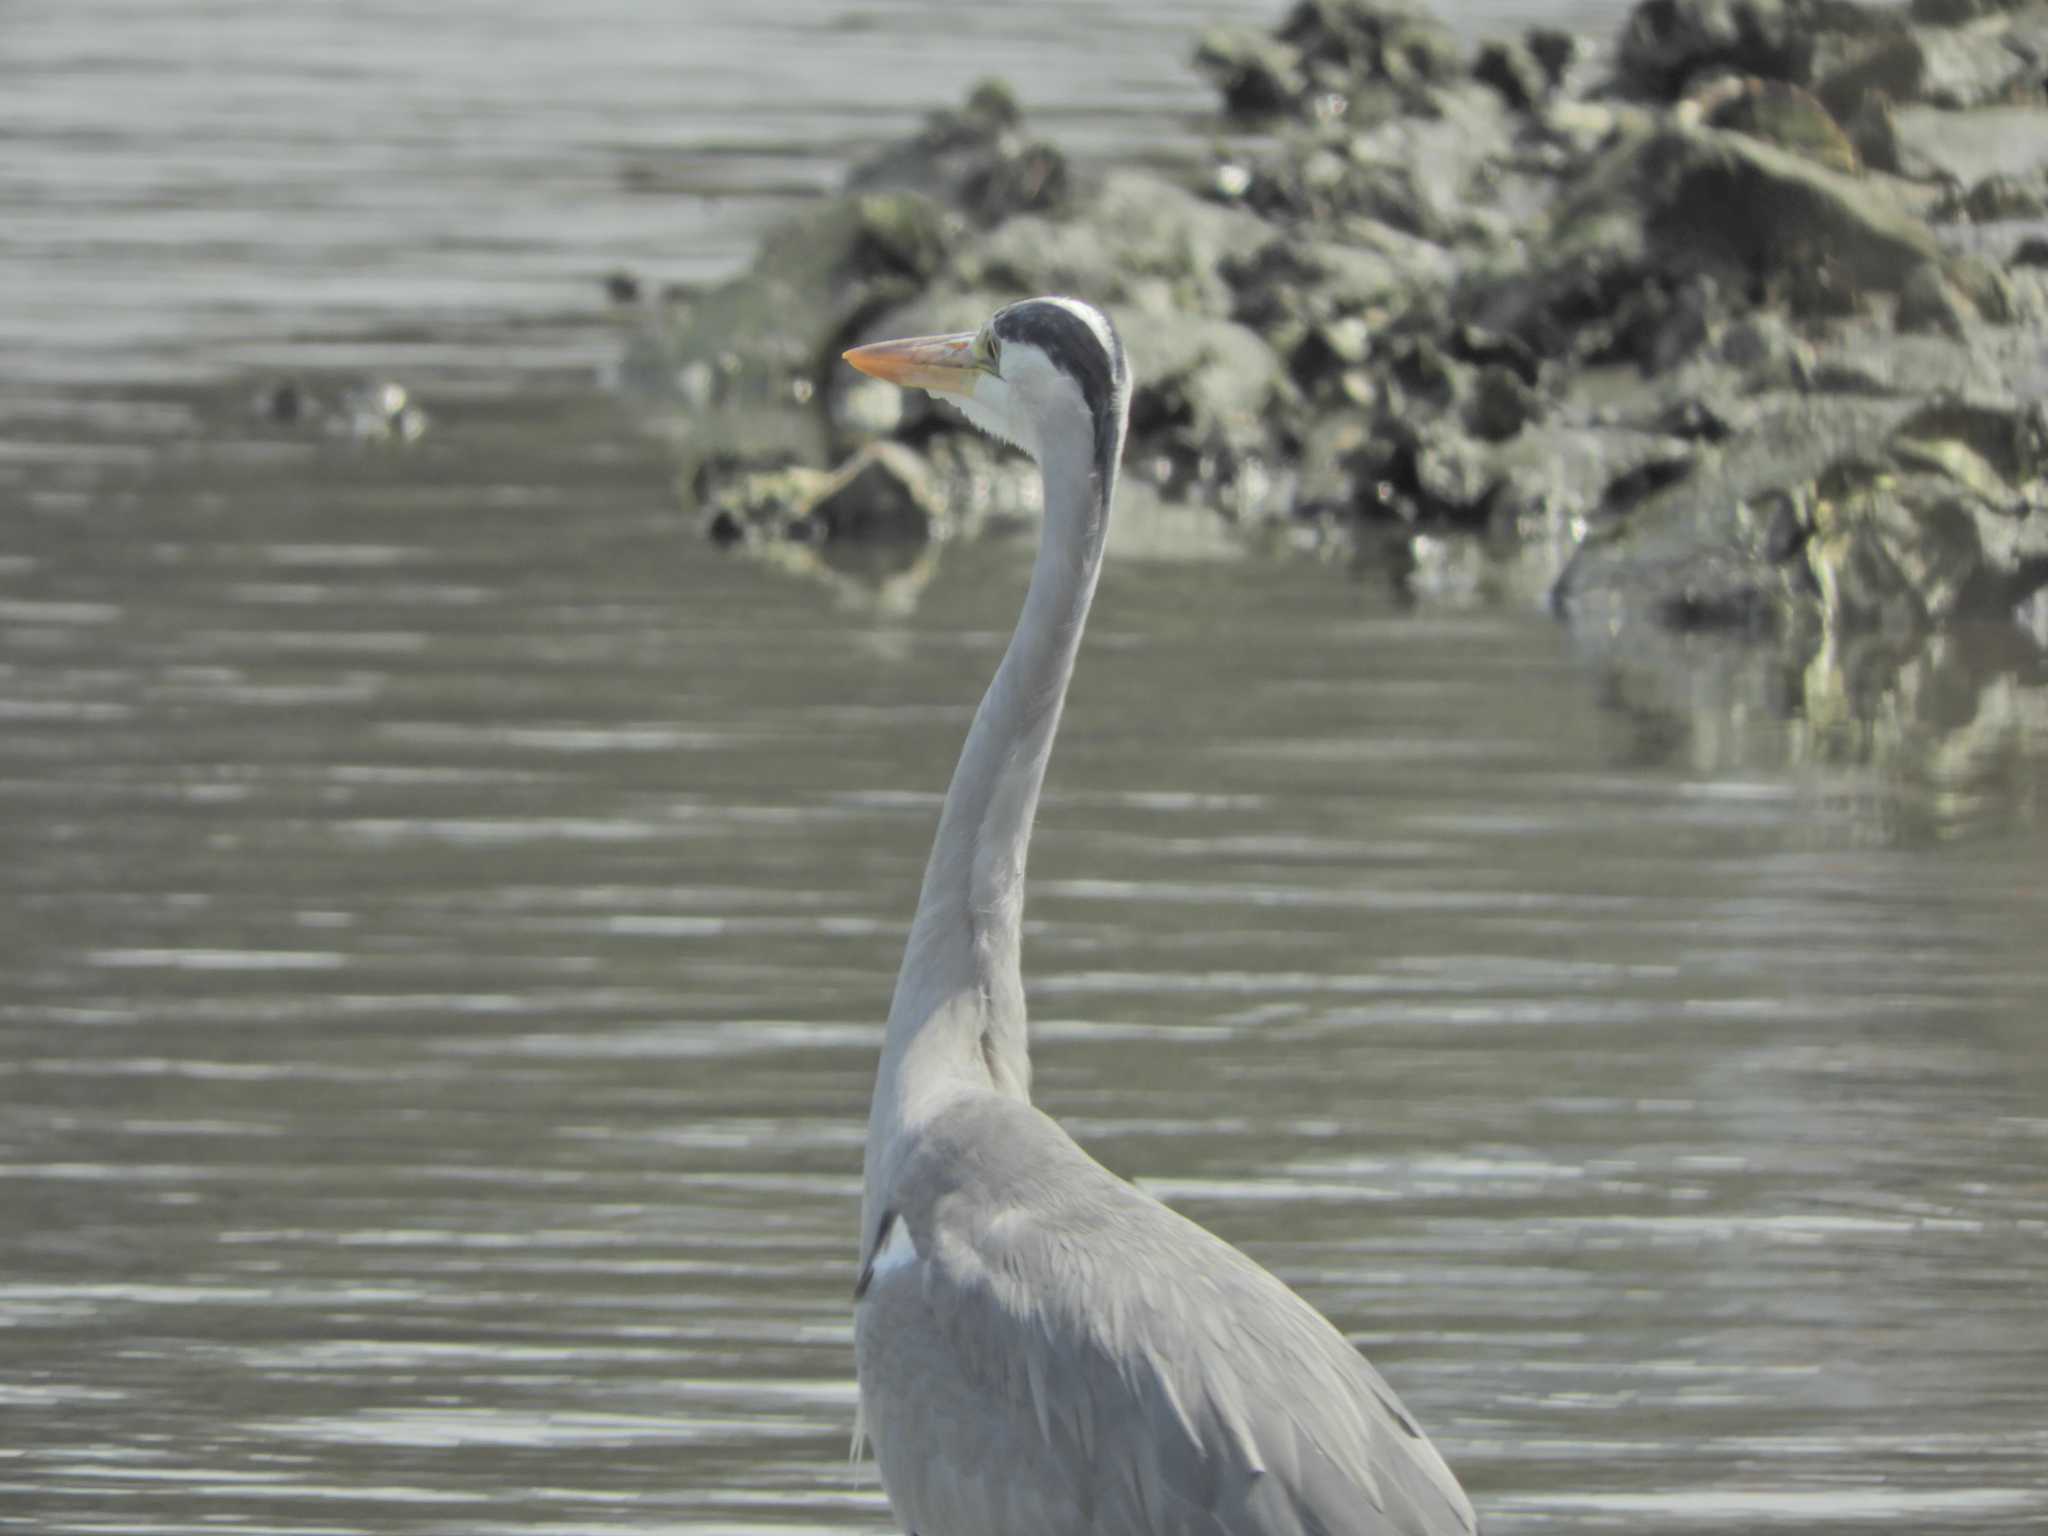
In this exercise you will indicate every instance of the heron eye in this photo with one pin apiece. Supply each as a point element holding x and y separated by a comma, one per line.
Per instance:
<point>991,349</point>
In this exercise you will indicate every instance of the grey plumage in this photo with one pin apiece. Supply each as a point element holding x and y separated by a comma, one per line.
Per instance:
<point>1068,1357</point>
<point>1044,1350</point>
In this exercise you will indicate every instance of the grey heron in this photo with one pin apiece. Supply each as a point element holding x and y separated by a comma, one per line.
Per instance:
<point>1043,1349</point>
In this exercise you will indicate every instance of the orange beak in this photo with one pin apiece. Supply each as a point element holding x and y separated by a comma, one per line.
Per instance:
<point>945,365</point>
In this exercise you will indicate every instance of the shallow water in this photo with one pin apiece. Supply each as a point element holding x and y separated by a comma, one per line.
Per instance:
<point>447,908</point>
<point>450,911</point>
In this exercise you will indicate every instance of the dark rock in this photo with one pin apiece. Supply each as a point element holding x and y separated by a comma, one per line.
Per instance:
<point>1984,286</point>
<point>1999,197</point>
<point>1554,52</point>
<point>1475,344</point>
<point>1770,355</point>
<point>886,493</point>
<point>1259,76</point>
<point>1395,41</point>
<point>1778,220</point>
<point>1330,350</point>
<point>1695,420</point>
<point>1787,116</point>
<point>1422,375</point>
<point>622,287</point>
<point>1642,482</point>
<point>1874,132</point>
<point>1698,546</point>
<point>1927,302</point>
<point>1328,58</point>
<point>1501,404</point>
<point>1892,65</point>
<point>1947,13</point>
<point>2031,252</point>
<point>284,402</point>
<point>1208,385</point>
<point>1707,596</point>
<point>1513,70</point>
<point>1666,44</point>
<point>973,158</point>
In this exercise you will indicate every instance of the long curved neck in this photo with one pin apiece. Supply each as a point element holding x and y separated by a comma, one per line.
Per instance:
<point>957,1020</point>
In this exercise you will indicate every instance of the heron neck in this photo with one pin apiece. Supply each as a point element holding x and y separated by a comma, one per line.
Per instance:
<point>957,1020</point>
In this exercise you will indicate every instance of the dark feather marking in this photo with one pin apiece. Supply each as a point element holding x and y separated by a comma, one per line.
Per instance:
<point>867,1270</point>
<point>1407,1424</point>
<point>1072,345</point>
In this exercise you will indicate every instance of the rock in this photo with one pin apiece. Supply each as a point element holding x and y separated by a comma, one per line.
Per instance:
<point>284,402</point>
<point>1947,13</point>
<point>974,158</point>
<point>1892,65</point>
<point>1206,393</point>
<point>1975,66</point>
<point>1394,41</point>
<point>1718,349</point>
<point>885,493</point>
<point>1502,404</point>
<point>1329,351</point>
<point>2000,197</point>
<point>1554,52</point>
<point>1787,116</point>
<point>1776,219</point>
<point>1513,70</point>
<point>2031,252</point>
<point>1710,546</point>
<point>1927,302</point>
<point>1874,132</point>
<point>1769,353</point>
<point>740,503</point>
<point>1258,76</point>
<point>1328,58</point>
<point>1131,234</point>
<point>1444,475</point>
<point>1666,44</point>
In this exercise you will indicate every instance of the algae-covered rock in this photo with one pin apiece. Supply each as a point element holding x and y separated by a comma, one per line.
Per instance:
<point>1774,217</point>
<point>1929,302</point>
<point>1330,54</point>
<point>734,372</point>
<point>1785,115</point>
<point>975,158</point>
<point>1666,44</point>
<point>1947,520</point>
<point>885,493</point>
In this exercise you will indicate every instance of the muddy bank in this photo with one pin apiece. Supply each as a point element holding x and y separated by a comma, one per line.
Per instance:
<point>1737,322</point>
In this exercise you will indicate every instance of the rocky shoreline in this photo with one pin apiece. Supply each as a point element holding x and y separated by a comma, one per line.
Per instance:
<point>1740,324</point>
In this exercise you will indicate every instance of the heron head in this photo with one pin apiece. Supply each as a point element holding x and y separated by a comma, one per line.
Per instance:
<point>1043,374</point>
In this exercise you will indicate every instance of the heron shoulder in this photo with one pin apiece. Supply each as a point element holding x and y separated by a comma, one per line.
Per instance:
<point>1038,1264</point>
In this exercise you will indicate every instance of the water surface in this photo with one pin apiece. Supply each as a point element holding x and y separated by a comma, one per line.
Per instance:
<point>449,911</point>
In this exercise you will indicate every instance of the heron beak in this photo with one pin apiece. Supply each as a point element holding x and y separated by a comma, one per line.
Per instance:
<point>945,365</point>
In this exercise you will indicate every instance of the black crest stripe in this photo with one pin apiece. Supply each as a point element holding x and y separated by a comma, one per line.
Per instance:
<point>1074,348</point>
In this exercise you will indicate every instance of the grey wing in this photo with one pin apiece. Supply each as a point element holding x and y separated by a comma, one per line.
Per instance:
<point>1087,1361</point>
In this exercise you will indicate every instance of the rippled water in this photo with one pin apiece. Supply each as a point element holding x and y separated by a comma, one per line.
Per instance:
<point>449,912</point>
<point>446,909</point>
